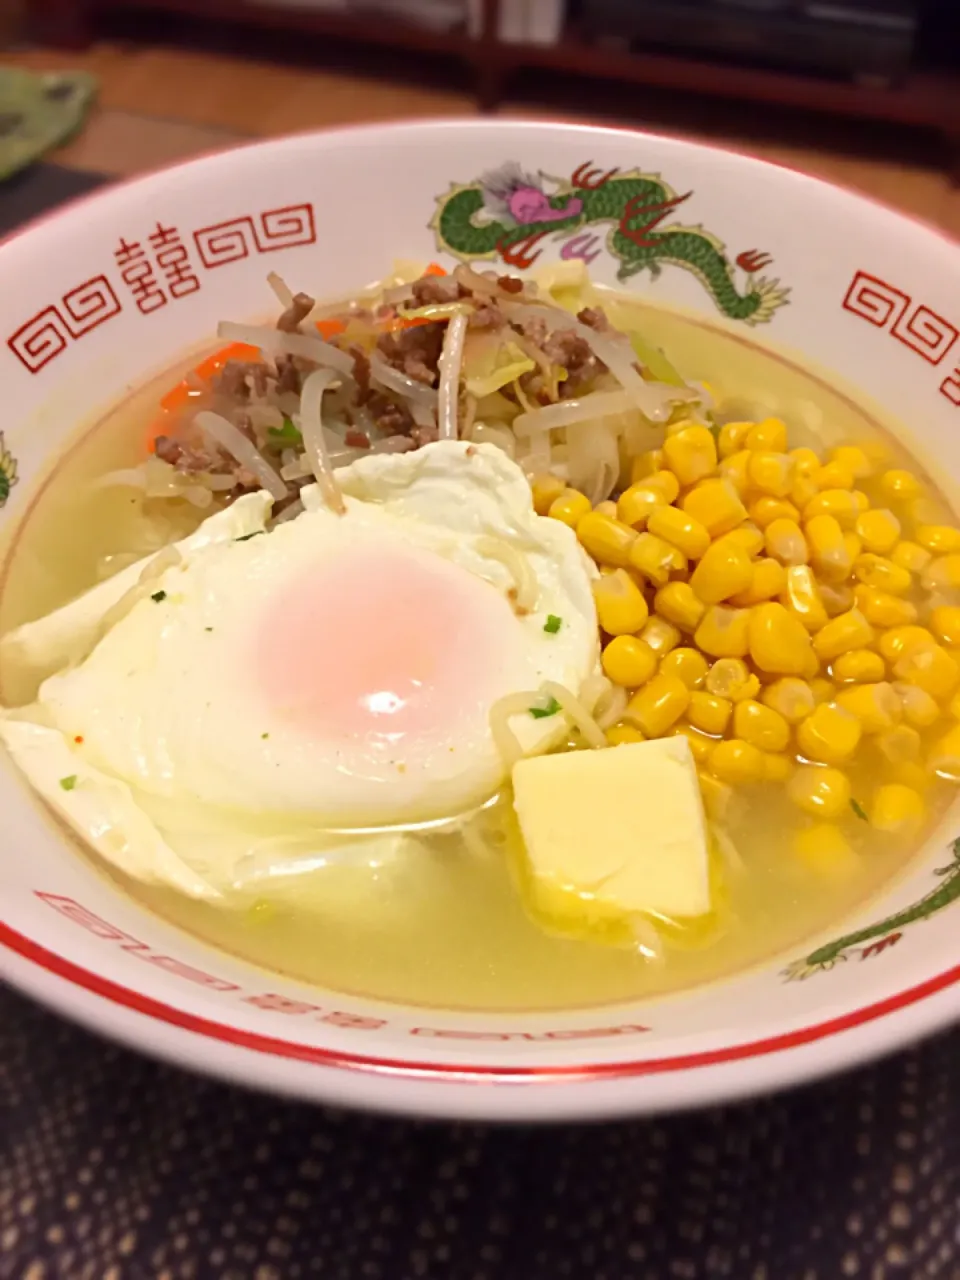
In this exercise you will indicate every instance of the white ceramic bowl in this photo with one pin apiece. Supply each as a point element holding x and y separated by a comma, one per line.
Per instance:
<point>835,279</point>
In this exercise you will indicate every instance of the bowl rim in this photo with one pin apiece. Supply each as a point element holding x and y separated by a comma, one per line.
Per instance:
<point>448,1090</point>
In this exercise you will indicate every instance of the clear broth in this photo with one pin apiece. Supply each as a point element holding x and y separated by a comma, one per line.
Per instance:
<point>445,924</point>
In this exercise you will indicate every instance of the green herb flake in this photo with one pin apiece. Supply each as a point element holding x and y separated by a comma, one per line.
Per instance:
<point>859,810</point>
<point>287,434</point>
<point>68,783</point>
<point>552,624</point>
<point>208,628</point>
<point>158,596</point>
<point>541,713</point>
<point>264,735</point>
<point>245,537</point>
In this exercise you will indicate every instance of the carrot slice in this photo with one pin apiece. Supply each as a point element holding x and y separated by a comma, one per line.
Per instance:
<point>206,369</point>
<point>435,269</point>
<point>330,328</point>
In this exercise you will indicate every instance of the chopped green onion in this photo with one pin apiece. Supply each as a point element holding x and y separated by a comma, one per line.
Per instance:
<point>287,434</point>
<point>858,809</point>
<point>245,537</point>
<point>158,596</point>
<point>551,709</point>
<point>552,624</point>
<point>69,782</point>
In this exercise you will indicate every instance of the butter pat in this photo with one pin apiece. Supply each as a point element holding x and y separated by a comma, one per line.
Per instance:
<point>616,832</point>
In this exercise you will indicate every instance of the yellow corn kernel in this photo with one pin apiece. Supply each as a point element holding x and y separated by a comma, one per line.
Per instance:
<point>716,504</point>
<point>607,508</point>
<point>876,706</point>
<point>691,454</point>
<point>939,539</point>
<point>628,662</point>
<point>839,503</point>
<point>658,705</point>
<point>853,545</point>
<point>784,541</point>
<point>678,604</point>
<point>836,598</point>
<point>700,745</point>
<point>900,640</point>
<point>833,475</point>
<point>709,712</point>
<point>831,734</point>
<point>656,559</point>
<point>660,635</point>
<point>805,462</point>
<point>944,757</point>
<point>901,745</point>
<point>761,726</point>
<point>667,483</point>
<point>858,666</point>
<point>919,708</point>
<point>570,507</point>
<point>688,665</point>
<point>618,734</point>
<point>945,623</point>
<point>724,570</point>
<point>942,573</point>
<point>621,608</point>
<point>736,471</point>
<point>877,571</point>
<point>828,550</point>
<point>848,631</point>
<point>896,809</point>
<point>823,690</point>
<point>718,798</point>
<point>803,492</point>
<point>747,537</point>
<point>878,530</point>
<point>779,643</point>
<point>900,486</point>
<point>680,530</point>
<point>770,435</point>
<point>767,509</point>
<point>910,556</point>
<point>646,465</point>
<point>883,609</point>
<point>790,697</point>
<point>823,792</point>
<point>824,849</point>
<point>777,767</point>
<point>854,459</point>
<point>930,668</point>
<point>736,762</point>
<point>731,678</point>
<point>608,541</point>
<point>927,510</point>
<point>724,633</point>
<point>733,437</point>
<point>801,596</point>
<point>546,489</point>
<point>910,774</point>
<point>769,579</point>
<point>636,504</point>
<point>771,473</point>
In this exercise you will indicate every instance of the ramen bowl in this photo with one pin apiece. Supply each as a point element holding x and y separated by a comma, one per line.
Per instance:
<point>104,295</point>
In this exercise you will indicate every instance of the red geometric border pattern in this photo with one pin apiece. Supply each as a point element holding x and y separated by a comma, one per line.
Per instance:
<point>926,333</point>
<point>950,387</point>
<point>292,1051</point>
<point>237,238</point>
<point>45,335</point>
<point>873,299</point>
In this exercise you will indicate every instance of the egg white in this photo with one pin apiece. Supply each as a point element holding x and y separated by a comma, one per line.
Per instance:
<point>187,774</point>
